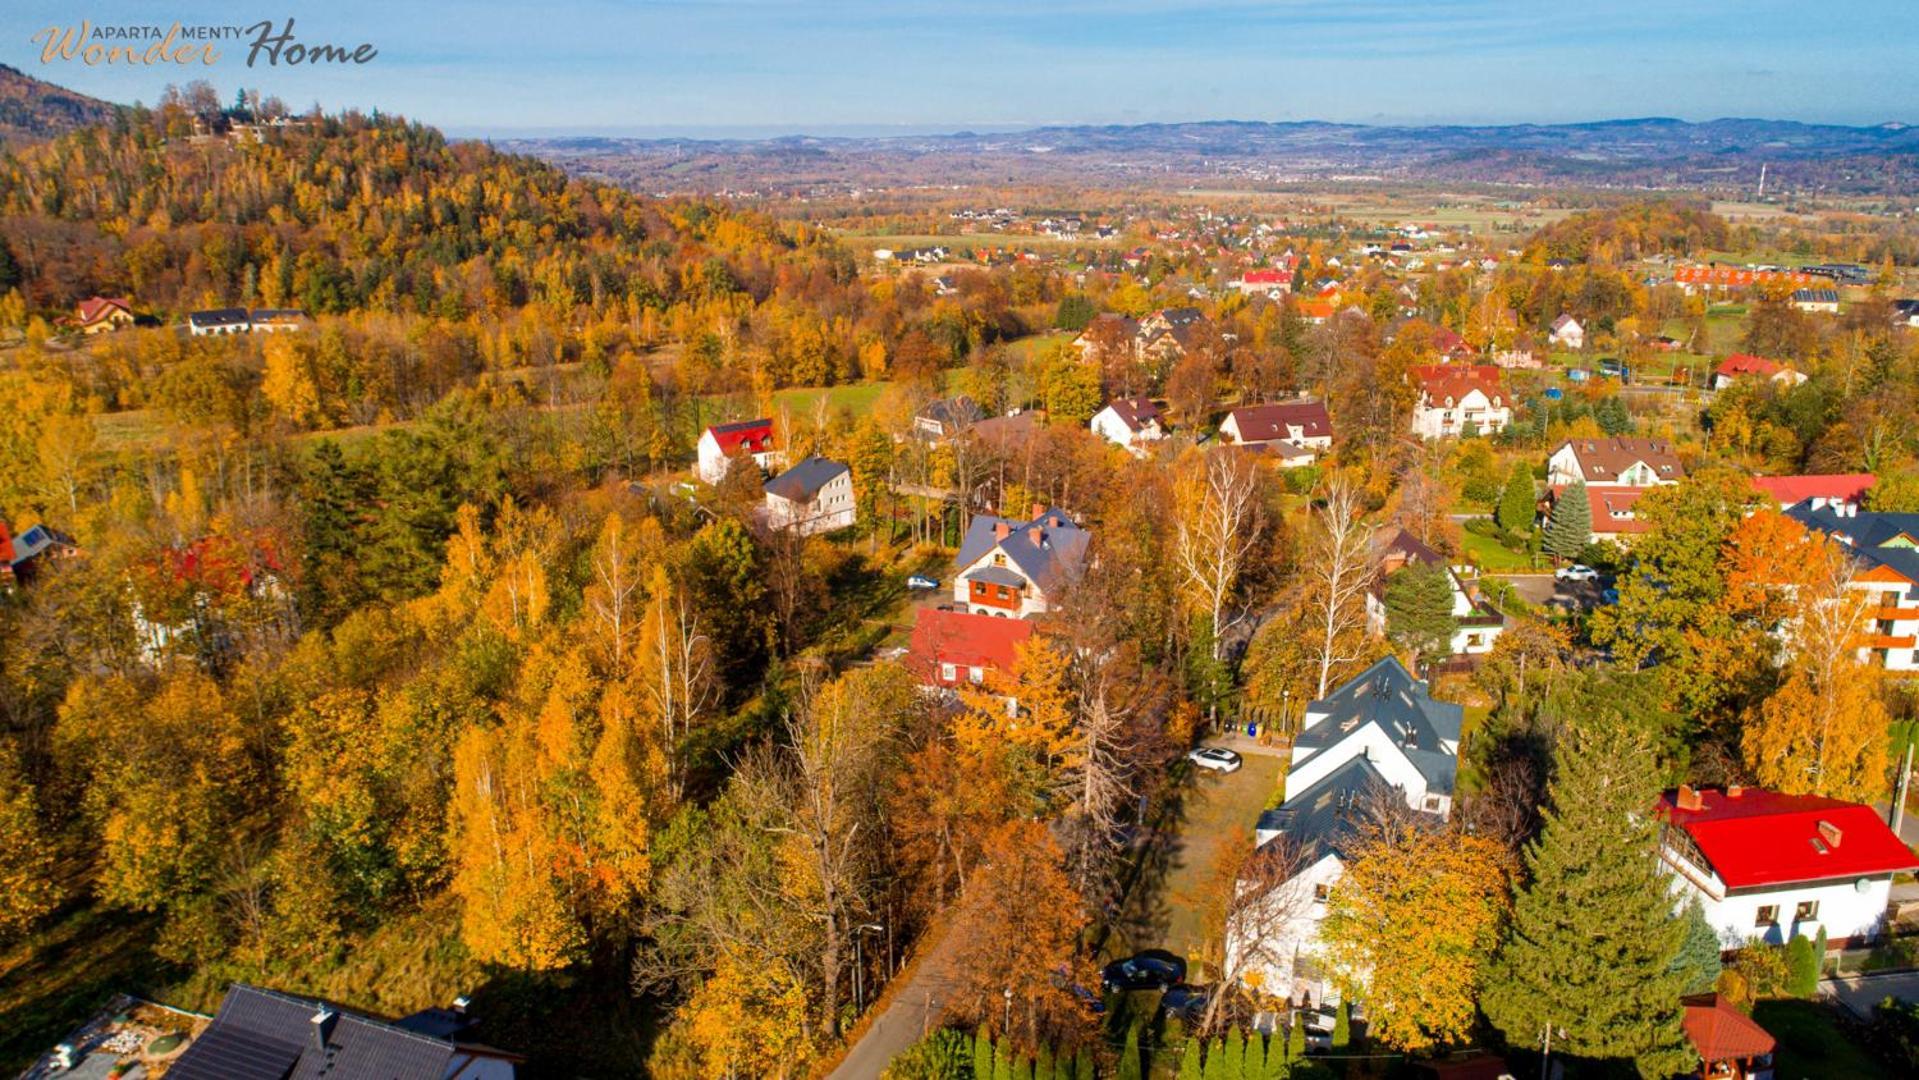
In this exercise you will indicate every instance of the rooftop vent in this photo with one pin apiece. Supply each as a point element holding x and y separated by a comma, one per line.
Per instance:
<point>1689,798</point>
<point>1830,833</point>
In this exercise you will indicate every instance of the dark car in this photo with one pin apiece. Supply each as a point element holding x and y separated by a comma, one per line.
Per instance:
<point>1186,1002</point>
<point>1154,969</point>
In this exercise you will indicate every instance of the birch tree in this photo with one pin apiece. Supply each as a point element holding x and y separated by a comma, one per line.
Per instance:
<point>1338,575</point>
<point>1219,521</point>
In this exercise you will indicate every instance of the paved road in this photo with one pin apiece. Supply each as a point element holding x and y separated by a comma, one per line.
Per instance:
<point>1859,993</point>
<point>915,1009</point>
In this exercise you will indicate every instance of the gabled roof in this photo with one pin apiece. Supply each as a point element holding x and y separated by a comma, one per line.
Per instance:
<point>1267,423</point>
<point>1746,364</point>
<point>1134,412</point>
<point>803,482</point>
<point>964,639</point>
<point>231,316</point>
<point>1388,697</point>
<point>1322,818</point>
<point>95,308</point>
<point>952,412</point>
<point>1445,384</point>
<point>266,1035</point>
<point>1564,321</point>
<point>756,436</point>
<point>1267,277</point>
<point>1877,541</point>
<point>1603,460</point>
<point>1045,550</point>
<point>1611,506</point>
<point>1720,1032</point>
<point>1759,838</point>
<point>1835,487</point>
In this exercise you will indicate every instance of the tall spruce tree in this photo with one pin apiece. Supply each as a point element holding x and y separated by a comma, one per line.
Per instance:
<point>1593,942</point>
<point>1235,1056</point>
<point>983,1054</point>
<point>1571,526</point>
<point>1129,1058</point>
<point>1419,610</point>
<point>1698,959</point>
<point>1189,1061</point>
<point>1215,1060</point>
<point>1517,504</point>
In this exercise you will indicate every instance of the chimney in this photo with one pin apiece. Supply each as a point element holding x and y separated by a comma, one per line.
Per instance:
<point>1830,834</point>
<point>1002,530</point>
<point>1038,537</point>
<point>323,1022</point>
<point>1689,798</point>
<point>1733,791</point>
<point>1038,509</point>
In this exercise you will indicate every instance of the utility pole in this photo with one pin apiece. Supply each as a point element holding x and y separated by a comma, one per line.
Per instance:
<point>1905,781</point>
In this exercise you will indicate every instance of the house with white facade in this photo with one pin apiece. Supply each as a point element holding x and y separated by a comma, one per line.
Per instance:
<point>1460,399</point>
<point>1296,431</point>
<point>1885,555</point>
<point>1016,569</point>
<point>1567,333</point>
<point>1773,867</point>
<point>1132,423</point>
<point>1379,736</point>
<point>1621,461</point>
<point>814,496</point>
<point>1747,366</point>
<point>722,444</point>
<point>1477,623</point>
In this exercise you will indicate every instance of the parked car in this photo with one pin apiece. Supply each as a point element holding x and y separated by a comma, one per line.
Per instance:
<point>1576,572</point>
<point>921,581</point>
<point>1186,1002</point>
<point>1154,969</point>
<point>1217,758</point>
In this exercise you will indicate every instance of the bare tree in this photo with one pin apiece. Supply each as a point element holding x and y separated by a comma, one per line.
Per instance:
<point>1219,521</point>
<point>1341,571</point>
<point>1261,894</point>
<point>677,677</point>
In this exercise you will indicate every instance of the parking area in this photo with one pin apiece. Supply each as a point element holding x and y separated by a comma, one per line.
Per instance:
<point>1859,993</point>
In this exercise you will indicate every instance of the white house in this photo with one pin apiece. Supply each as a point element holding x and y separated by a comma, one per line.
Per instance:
<point>1297,430</point>
<point>1621,461</point>
<point>1885,556</point>
<point>1774,867</point>
<point>722,443</point>
<point>814,496</point>
<point>1017,568</point>
<point>1381,735</point>
<point>1816,301</point>
<point>1129,422</point>
<point>1741,365</point>
<point>1458,398</point>
<point>1567,333</point>
<point>1478,624</point>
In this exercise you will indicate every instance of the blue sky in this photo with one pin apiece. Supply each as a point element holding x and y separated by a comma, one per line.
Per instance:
<point>763,66</point>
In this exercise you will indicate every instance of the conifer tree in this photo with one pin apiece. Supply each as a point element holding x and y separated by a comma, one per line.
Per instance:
<point>1189,1061</point>
<point>983,1055</point>
<point>1593,939</point>
<point>1517,504</point>
<point>1419,611</point>
<point>1002,1061</point>
<point>1044,1067</point>
<point>1083,1065</point>
<point>1802,967</point>
<point>1215,1068</point>
<point>1571,526</point>
<point>1342,1027</point>
<point>1235,1068</point>
<point>1698,959</point>
<point>1295,1040</point>
<point>1129,1060</point>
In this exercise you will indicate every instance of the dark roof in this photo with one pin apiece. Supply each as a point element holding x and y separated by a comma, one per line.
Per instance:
<point>996,575</point>
<point>1867,533</point>
<point>1058,552</point>
<point>1387,695</point>
<point>1815,296</point>
<point>803,481</point>
<point>952,412</point>
<point>1321,818</point>
<point>1134,412</point>
<point>266,1035</point>
<point>1266,423</point>
<point>226,316</point>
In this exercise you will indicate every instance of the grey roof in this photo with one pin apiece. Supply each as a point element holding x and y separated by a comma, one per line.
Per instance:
<point>1815,296</point>
<point>1867,532</point>
<point>803,481</point>
<point>1321,818</point>
<point>227,316</point>
<point>952,412</point>
<point>1045,550</point>
<point>266,1035</point>
<point>996,575</point>
<point>1387,695</point>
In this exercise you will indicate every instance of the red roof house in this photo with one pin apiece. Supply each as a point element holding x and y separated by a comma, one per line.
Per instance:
<point>1827,489</point>
<point>1728,1042</point>
<point>1743,365</point>
<point>98,313</point>
<point>721,443</point>
<point>959,648</point>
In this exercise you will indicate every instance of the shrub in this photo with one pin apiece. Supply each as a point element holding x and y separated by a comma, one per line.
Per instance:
<point>942,1055</point>
<point>1802,968</point>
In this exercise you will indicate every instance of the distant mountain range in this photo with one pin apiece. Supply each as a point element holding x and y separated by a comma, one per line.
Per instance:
<point>32,109</point>
<point>1654,152</point>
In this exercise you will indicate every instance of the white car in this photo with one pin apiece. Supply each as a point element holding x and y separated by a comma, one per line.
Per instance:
<point>1217,758</point>
<point>1576,572</point>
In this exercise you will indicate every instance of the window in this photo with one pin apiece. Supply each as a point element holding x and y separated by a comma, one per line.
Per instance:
<point>1768,915</point>
<point>947,673</point>
<point>1321,892</point>
<point>979,588</point>
<point>1432,804</point>
<point>1806,911</point>
<point>977,675</point>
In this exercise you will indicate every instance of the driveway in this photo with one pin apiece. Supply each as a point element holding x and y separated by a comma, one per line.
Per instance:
<point>1859,993</point>
<point>1535,589</point>
<point>914,1009</point>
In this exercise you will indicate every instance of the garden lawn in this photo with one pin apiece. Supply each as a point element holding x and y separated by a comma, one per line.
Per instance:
<point>1491,556</point>
<point>1811,1044</point>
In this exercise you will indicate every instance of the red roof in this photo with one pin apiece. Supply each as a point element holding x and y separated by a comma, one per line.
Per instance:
<point>1268,277</point>
<point>1607,500</point>
<point>95,308</point>
<point>1833,487</point>
<point>964,640</point>
<point>1733,278</point>
<point>756,436</point>
<point>1746,364</point>
<point>1450,343</point>
<point>1448,383</point>
<point>1722,1033</point>
<point>1759,837</point>
<point>6,545</point>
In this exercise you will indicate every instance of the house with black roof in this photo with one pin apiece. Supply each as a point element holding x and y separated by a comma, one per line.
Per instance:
<point>263,1034</point>
<point>1884,548</point>
<point>1017,569</point>
<point>814,496</point>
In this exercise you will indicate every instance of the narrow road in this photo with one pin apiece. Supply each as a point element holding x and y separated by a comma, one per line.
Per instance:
<point>914,1009</point>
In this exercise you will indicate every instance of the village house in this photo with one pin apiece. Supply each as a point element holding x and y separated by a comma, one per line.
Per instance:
<point>1746,365</point>
<point>1479,624</point>
<point>1819,489</point>
<point>814,496</point>
<point>102,314</point>
<point>1905,312</point>
<point>1611,507</point>
<point>946,417</point>
<point>1620,461</point>
<point>1773,867</point>
<point>722,444</point>
<point>1107,330</point>
<point>1459,399</point>
<point>217,321</point>
<point>1018,568</point>
<point>955,649</point>
<point>1885,554</point>
<point>260,1034</point>
<point>1379,736</point>
<point>1268,283</point>
<point>1726,279</point>
<point>20,556</point>
<point>1567,333</point>
<point>1129,422</point>
<point>1297,431</point>
<point>1816,301</point>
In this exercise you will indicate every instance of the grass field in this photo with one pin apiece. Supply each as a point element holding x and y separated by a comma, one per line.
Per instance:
<point>1811,1043</point>
<point>1491,556</point>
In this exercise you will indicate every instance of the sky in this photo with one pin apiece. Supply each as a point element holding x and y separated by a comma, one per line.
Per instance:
<point>718,68</point>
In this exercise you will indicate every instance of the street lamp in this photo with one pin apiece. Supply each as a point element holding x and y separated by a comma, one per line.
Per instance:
<point>1545,1059</point>
<point>1006,1023</point>
<point>859,964</point>
<point>1286,710</point>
